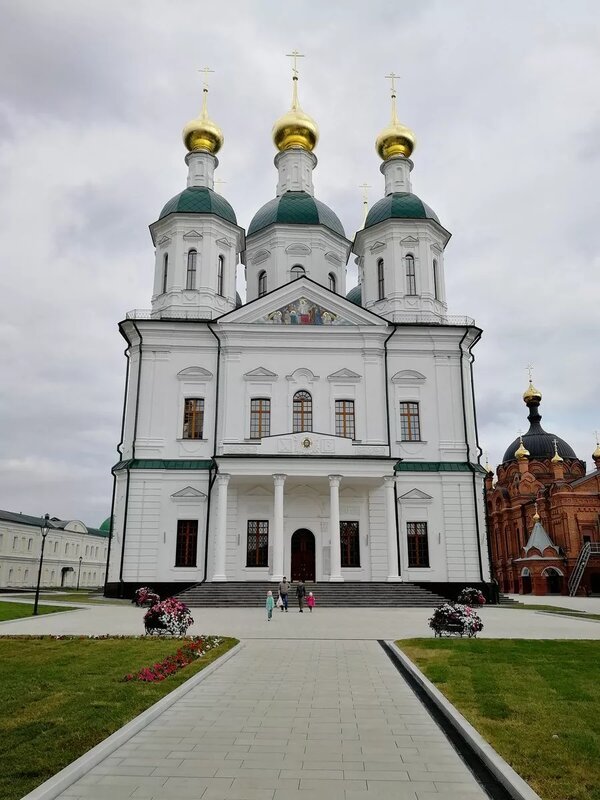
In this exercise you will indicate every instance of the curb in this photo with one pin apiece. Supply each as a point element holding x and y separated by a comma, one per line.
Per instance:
<point>54,786</point>
<point>516,787</point>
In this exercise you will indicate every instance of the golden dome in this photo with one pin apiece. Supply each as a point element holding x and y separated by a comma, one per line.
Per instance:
<point>295,128</point>
<point>596,453</point>
<point>531,394</point>
<point>202,133</point>
<point>556,458</point>
<point>536,516</point>
<point>396,139</point>
<point>521,452</point>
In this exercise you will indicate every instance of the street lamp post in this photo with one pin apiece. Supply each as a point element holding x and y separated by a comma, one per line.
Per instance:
<point>44,529</point>
<point>79,573</point>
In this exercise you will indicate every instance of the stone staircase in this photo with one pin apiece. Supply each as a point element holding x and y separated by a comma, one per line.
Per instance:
<point>327,595</point>
<point>505,600</point>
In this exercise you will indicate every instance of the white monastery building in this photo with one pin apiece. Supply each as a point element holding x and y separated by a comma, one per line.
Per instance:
<point>306,432</point>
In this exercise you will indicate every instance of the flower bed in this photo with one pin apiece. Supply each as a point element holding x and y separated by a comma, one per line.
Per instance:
<point>471,597</point>
<point>192,649</point>
<point>170,616</point>
<point>455,619</point>
<point>145,596</point>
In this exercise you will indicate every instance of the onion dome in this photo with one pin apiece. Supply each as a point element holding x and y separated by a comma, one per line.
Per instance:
<point>556,458</point>
<point>199,200</point>
<point>539,443</point>
<point>396,139</point>
<point>596,453</point>
<point>202,133</point>
<point>295,128</point>
<point>532,394</point>
<point>355,295</point>
<point>295,208</point>
<point>521,452</point>
<point>399,205</point>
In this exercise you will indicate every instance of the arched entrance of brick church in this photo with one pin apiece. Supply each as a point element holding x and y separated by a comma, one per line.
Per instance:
<point>303,555</point>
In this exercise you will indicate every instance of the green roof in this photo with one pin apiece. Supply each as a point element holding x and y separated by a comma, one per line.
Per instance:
<point>105,525</point>
<point>399,205</point>
<point>199,200</point>
<point>163,463</point>
<point>295,208</point>
<point>437,466</point>
<point>355,295</point>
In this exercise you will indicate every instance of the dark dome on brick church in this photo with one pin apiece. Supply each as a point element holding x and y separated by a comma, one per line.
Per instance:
<point>537,443</point>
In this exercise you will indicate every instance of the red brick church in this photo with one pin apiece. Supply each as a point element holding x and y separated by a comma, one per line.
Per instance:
<point>543,514</point>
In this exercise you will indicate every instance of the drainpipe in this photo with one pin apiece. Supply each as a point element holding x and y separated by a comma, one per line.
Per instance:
<point>389,438</point>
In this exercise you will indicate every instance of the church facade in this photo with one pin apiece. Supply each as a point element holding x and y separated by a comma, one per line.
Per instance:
<point>305,432</point>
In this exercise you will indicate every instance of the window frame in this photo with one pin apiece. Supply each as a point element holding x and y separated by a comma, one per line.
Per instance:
<point>350,544</point>
<point>194,413</point>
<point>342,414</point>
<point>380,279</point>
<point>220,275</point>
<point>410,421</point>
<point>417,540</point>
<point>297,271</point>
<point>262,283</point>
<point>411,275</point>
<point>259,537</point>
<point>302,416</point>
<point>258,414</point>
<point>186,544</point>
<point>332,282</point>
<point>190,275</point>
<point>165,276</point>
<point>436,280</point>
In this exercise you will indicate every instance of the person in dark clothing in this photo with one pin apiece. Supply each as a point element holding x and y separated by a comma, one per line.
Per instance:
<point>284,589</point>
<point>301,594</point>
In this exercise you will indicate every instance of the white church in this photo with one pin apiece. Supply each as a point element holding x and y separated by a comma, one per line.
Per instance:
<point>306,432</point>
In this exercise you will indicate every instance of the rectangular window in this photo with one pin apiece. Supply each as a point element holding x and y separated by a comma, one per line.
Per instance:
<point>411,278</point>
<point>418,548</point>
<point>344,418</point>
<point>257,554</point>
<point>220,271</point>
<point>193,418</point>
<point>350,544</point>
<point>410,425</point>
<point>187,543</point>
<point>260,417</point>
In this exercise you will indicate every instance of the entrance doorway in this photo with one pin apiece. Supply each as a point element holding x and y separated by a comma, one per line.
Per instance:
<point>554,580</point>
<point>303,555</point>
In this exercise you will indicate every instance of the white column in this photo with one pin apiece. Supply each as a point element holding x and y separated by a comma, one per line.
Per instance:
<point>335,572</point>
<point>390,523</point>
<point>278,481</point>
<point>221,537</point>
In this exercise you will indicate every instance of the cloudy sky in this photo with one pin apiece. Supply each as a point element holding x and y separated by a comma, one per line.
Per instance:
<point>503,97</point>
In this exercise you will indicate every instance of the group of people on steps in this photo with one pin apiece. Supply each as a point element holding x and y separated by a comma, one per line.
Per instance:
<point>282,599</point>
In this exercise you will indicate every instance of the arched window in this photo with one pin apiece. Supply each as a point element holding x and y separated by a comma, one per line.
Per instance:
<point>411,281</point>
<point>436,281</point>
<point>331,282</point>
<point>262,283</point>
<point>220,271</point>
<point>302,417</point>
<point>380,280</point>
<point>165,274</point>
<point>190,282</point>
<point>297,271</point>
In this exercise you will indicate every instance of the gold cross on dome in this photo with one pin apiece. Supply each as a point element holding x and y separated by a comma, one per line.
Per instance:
<point>596,434</point>
<point>365,187</point>
<point>392,77</point>
<point>206,71</point>
<point>529,369</point>
<point>295,55</point>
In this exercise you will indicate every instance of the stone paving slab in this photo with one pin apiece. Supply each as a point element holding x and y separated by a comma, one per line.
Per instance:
<point>281,719</point>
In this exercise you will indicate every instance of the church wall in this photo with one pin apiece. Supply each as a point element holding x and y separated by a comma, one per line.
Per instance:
<point>377,533</point>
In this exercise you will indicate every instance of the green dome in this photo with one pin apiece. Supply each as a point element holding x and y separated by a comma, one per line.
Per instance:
<point>105,525</point>
<point>355,295</point>
<point>399,205</point>
<point>199,200</point>
<point>295,208</point>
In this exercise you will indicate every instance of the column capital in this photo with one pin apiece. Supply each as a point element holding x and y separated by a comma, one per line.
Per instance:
<point>389,480</point>
<point>335,480</point>
<point>279,479</point>
<point>223,477</point>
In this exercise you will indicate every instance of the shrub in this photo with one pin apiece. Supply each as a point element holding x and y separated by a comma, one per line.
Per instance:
<point>471,597</point>
<point>170,615</point>
<point>455,618</point>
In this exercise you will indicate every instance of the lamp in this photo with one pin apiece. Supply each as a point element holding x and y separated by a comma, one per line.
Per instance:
<point>79,573</point>
<point>44,530</point>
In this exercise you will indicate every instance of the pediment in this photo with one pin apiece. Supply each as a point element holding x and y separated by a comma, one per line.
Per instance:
<point>163,241</point>
<point>344,375</point>
<point>377,246</point>
<point>302,374</point>
<point>189,492</point>
<point>408,377</point>
<point>297,249</point>
<point>193,234</point>
<point>260,256</point>
<point>409,240</point>
<point>194,373</point>
<point>224,242</point>
<point>302,302</point>
<point>415,494</point>
<point>258,491</point>
<point>260,373</point>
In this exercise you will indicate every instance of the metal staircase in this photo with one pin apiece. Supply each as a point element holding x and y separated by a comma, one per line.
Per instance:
<point>588,549</point>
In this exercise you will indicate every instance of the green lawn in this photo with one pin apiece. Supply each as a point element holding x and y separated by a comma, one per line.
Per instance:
<point>536,702</point>
<point>61,697</point>
<point>565,612</point>
<point>10,610</point>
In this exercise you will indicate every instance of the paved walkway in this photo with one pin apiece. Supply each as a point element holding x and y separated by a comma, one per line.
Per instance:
<point>283,720</point>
